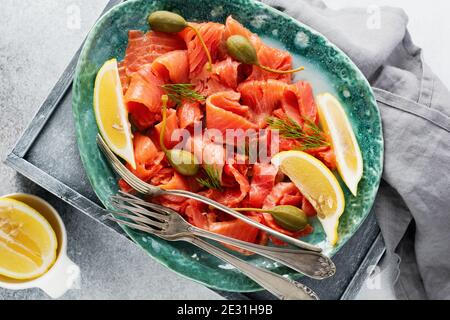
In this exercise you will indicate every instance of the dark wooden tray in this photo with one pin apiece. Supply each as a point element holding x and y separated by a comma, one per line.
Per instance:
<point>56,166</point>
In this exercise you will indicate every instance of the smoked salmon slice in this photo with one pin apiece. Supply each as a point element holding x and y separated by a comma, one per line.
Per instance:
<point>172,67</point>
<point>197,217</point>
<point>145,151</point>
<point>142,117</point>
<point>176,182</point>
<point>262,97</point>
<point>242,180</point>
<point>299,102</point>
<point>278,192</point>
<point>275,59</point>
<point>229,100</point>
<point>307,104</point>
<point>145,89</point>
<point>326,155</point>
<point>144,48</point>
<point>148,157</point>
<point>212,34</point>
<point>222,120</point>
<point>230,197</point>
<point>227,72</point>
<point>225,75</point>
<point>290,105</point>
<point>189,113</point>
<point>262,184</point>
<point>206,84</point>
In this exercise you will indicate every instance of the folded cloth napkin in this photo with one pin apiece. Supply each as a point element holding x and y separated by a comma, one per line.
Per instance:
<point>413,203</point>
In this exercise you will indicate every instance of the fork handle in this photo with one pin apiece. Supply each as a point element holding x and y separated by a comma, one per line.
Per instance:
<point>217,205</point>
<point>283,288</point>
<point>312,264</point>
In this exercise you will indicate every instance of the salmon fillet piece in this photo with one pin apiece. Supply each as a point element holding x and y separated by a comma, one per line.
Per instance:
<point>144,48</point>
<point>145,89</point>
<point>189,113</point>
<point>262,97</point>
<point>172,67</point>
<point>212,34</point>
<point>218,117</point>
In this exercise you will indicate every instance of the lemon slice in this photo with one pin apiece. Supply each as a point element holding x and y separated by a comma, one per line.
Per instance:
<point>318,184</point>
<point>348,155</point>
<point>27,241</point>
<point>111,114</point>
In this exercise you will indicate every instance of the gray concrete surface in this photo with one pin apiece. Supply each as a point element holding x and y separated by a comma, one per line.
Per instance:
<point>37,40</point>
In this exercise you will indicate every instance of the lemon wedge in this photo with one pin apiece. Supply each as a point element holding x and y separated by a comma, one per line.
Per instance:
<point>27,241</point>
<point>111,114</point>
<point>334,121</point>
<point>318,184</point>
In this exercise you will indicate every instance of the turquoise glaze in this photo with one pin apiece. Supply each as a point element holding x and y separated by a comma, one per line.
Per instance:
<point>327,67</point>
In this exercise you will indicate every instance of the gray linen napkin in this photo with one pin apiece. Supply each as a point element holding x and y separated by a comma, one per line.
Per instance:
<point>413,204</point>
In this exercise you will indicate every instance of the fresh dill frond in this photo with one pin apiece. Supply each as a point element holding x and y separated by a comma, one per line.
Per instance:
<point>290,129</point>
<point>212,179</point>
<point>183,91</point>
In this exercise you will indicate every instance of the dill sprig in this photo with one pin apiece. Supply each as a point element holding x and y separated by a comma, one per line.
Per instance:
<point>290,129</point>
<point>182,91</point>
<point>212,179</point>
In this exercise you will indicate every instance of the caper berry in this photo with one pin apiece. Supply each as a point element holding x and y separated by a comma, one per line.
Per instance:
<point>241,49</point>
<point>166,21</point>
<point>289,217</point>
<point>183,162</point>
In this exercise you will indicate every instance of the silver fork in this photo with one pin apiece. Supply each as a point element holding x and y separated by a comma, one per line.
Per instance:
<point>312,264</point>
<point>148,189</point>
<point>165,227</point>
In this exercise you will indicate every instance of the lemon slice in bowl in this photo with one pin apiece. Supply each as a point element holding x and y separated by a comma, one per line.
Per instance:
<point>334,121</point>
<point>318,184</point>
<point>28,243</point>
<point>111,114</point>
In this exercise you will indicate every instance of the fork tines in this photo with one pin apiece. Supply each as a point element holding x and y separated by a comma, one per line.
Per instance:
<point>130,207</point>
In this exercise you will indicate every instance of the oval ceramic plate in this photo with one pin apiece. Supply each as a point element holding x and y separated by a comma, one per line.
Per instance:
<point>327,68</point>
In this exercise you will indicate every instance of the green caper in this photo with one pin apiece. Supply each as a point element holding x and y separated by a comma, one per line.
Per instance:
<point>289,217</point>
<point>183,162</point>
<point>241,49</point>
<point>166,21</point>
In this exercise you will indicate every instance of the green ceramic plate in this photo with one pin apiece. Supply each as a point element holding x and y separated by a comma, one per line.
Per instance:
<point>328,68</point>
